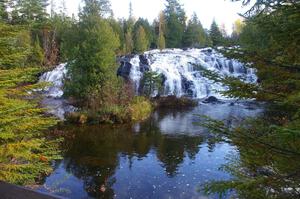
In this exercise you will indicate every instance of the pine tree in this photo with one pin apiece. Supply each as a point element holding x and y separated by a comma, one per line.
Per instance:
<point>3,11</point>
<point>105,7</point>
<point>175,24</point>
<point>161,42</point>
<point>15,46</point>
<point>37,55</point>
<point>128,29</point>
<point>195,35</point>
<point>149,30</point>
<point>29,11</point>
<point>128,42</point>
<point>215,34</point>
<point>141,41</point>
<point>93,56</point>
<point>151,82</point>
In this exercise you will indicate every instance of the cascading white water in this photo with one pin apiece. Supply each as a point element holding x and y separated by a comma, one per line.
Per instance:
<point>53,101</point>
<point>55,78</point>
<point>179,69</point>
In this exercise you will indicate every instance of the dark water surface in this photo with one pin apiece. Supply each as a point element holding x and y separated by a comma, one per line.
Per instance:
<point>167,156</point>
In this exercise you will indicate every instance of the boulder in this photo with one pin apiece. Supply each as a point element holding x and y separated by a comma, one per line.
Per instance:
<point>212,100</point>
<point>143,59</point>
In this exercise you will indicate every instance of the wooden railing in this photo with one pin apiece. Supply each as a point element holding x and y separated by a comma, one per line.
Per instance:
<point>8,191</point>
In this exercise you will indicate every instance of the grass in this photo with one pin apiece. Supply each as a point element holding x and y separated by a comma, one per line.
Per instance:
<point>138,109</point>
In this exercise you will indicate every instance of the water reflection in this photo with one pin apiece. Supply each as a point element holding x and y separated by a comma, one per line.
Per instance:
<point>164,157</point>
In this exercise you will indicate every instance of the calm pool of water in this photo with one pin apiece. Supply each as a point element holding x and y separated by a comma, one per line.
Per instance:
<point>167,156</point>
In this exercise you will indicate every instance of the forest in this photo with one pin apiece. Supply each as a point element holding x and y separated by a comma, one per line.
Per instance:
<point>34,40</point>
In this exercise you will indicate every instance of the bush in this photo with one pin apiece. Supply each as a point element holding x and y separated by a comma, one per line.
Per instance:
<point>140,108</point>
<point>25,152</point>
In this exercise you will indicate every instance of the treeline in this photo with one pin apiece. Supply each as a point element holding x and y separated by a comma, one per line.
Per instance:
<point>29,35</point>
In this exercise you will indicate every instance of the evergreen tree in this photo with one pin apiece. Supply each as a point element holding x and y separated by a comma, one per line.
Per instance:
<point>270,42</point>
<point>15,46</point>
<point>151,82</point>
<point>3,11</point>
<point>175,24</point>
<point>28,11</point>
<point>195,35</point>
<point>141,41</point>
<point>215,34</point>
<point>150,35</point>
<point>128,42</point>
<point>118,28</point>
<point>37,55</point>
<point>93,56</point>
<point>105,8</point>
<point>161,42</point>
<point>128,29</point>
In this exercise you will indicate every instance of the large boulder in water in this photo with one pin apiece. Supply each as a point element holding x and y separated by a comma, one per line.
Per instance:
<point>125,66</point>
<point>144,63</point>
<point>211,100</point>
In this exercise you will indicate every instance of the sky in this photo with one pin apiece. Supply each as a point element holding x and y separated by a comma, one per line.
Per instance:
<point>223,11</point>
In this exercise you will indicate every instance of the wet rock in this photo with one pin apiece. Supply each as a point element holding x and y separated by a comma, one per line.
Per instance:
<point>231,68</point>
<point>219,64</point>
<point>144,63</point>
<point>212,100</point>
<point>187,86</point>
<point>242,70</point>
<point>174,102</point>
<point>124,69</point>
<point>143,60</point>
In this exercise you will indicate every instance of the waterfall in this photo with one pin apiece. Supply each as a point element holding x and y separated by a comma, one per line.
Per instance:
<point>181,74</point>
<point>179,69</point>
<point>55,78</point>
<point>53,101</point>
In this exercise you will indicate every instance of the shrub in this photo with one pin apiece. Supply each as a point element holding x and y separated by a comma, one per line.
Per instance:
<point>140,108</point>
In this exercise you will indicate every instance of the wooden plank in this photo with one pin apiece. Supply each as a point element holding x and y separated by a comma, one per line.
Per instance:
<point>8,191</point>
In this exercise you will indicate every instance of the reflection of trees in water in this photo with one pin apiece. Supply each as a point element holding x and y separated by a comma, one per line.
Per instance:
<point>93,153</point>
<point>268,165</point>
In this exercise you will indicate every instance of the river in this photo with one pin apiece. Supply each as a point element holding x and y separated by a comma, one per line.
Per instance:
<point>166,156</point>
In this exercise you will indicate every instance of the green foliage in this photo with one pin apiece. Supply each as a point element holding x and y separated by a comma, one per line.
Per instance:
<point>37,56</point>
<point>3,11</point>
<point>139,109</point>
<point>216,35</point>
<point>149,30</point>
<point>175,24</point>
<point>269,145</point>
<point>161,41</point>
<point>141,42</point>
<point>15,46</point>
<point>117,27</point>
<point>91,57</point>
<point>195,35</point>
<point>25,151</point>
<point>30,11</point>
<point>151,82</point>
<point>128,42</point>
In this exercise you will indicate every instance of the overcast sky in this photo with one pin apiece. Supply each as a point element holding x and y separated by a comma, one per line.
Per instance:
<point>224,11</point>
